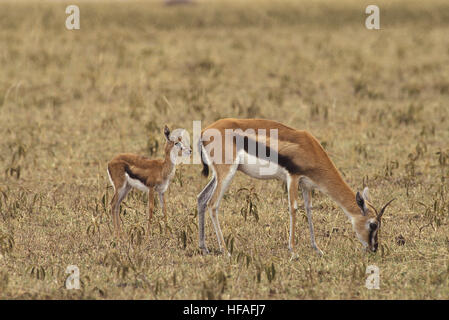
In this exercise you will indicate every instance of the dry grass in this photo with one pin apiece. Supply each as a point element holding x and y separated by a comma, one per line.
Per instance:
<point>70,100</point>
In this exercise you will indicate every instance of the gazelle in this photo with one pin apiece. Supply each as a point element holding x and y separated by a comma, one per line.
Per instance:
<point>301,160</point>
<point>129,170</point>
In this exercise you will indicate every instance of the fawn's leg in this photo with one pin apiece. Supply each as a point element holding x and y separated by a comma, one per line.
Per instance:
<point>121,194</point>
<point>163,208</point>
<point>150,207</point>
<point>116,174</point>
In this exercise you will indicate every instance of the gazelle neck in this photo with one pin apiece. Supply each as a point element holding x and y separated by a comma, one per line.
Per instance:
<point>345,197</point>
<point>331,182</point>
<point>169,163</point>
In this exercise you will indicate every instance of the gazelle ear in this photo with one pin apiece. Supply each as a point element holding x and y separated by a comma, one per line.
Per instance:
<point>167,132</point>
<point>365,194</point>
<point>360,202</point>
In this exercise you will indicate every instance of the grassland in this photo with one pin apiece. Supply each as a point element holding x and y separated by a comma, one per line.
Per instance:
<point>69,100</point>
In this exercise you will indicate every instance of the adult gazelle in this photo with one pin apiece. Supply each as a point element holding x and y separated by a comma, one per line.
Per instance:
<point>266,149</point>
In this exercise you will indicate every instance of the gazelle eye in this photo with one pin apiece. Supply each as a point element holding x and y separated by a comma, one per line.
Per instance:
<point>373,226</point>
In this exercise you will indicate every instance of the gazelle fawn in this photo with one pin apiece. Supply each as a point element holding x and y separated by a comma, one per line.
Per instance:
<point>127,171</point>
<point>300,161</point>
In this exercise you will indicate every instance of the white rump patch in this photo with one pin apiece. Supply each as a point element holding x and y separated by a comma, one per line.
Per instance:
<point>110,179</point>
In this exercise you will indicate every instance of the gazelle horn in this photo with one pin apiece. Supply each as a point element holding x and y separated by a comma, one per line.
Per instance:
<point>383,209</point>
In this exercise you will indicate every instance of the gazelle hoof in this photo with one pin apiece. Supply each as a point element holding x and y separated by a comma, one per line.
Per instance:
<point>204,250</point>
<point>294,256</point>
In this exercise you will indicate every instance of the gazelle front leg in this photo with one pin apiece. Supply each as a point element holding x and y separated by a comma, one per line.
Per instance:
<point>163,208</point>
<point>292,187</point>
<point>150,207</point>
<point>162,204</point>
<point>307,194</point>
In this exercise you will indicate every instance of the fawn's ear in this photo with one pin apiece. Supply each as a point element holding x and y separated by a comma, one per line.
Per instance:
<point>167,133</point>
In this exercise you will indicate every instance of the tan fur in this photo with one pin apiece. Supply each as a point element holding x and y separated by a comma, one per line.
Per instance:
<point>316,170</point>
<point>155,174</point>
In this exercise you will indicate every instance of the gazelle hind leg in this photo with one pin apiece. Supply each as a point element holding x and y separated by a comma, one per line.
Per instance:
<point>114,198</point>
<point>116,174</point>
<point>307,194</point>
<point>121,194</point>
<point>113,204</point>
<point>292,187</point>
<point>203,198</point>
<point>224,178</point>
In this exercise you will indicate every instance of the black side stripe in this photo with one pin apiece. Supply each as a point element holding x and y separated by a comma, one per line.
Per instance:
<point>268,153</point>
<point>132,175</point>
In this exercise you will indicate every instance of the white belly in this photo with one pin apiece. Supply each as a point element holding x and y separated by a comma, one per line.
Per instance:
<point>260,168</point>
<point>163,186</point>
<point>136,183</point>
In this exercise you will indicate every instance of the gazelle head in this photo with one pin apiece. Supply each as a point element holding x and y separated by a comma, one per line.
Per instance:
<point>175,144</point>
<point>367,225</point>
